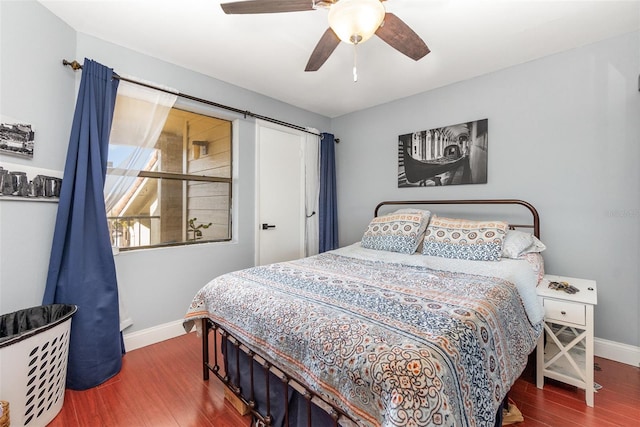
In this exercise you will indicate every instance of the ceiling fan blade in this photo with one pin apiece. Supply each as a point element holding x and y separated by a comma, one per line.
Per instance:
<point>323,50</point>
<point>399,36</point>
<point>266,6</point>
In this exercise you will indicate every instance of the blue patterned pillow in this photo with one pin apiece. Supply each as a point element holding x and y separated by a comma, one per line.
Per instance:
<point>464,239</point>
<point>397,232</point>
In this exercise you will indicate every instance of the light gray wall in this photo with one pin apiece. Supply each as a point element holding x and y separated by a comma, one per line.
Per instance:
<point>564,134</point>
<point>35,88</point>
<point>156,285</point>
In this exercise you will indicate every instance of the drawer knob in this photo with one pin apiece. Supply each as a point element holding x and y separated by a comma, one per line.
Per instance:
<point>564,313</point>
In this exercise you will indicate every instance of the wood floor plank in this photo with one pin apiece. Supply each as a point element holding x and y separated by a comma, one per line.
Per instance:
<point>161,386</point>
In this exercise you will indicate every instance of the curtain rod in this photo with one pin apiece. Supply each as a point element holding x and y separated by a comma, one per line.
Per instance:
<point>75,65</point>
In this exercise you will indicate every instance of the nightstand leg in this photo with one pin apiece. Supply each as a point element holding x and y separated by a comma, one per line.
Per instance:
<point>540,361</point>
<point>589,357</point>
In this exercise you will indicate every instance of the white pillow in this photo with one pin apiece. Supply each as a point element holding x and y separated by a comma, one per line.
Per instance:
<point>517,243</point>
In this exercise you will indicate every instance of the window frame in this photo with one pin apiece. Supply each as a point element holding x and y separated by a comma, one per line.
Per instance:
<point>182,177</point>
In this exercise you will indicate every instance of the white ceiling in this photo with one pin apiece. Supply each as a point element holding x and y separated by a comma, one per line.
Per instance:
<point>267,53</point>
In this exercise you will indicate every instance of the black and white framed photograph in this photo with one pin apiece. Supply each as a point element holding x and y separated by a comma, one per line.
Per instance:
<point>449,155</point>
<point>29,182</point>
<point>16,138</point>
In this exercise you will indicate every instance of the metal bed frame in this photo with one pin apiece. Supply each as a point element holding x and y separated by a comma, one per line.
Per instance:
<point>535,223</point>
<point>259,419</point>
<point>220,335</point>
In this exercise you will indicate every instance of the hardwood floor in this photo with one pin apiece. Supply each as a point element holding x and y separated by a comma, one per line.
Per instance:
<point>161,385</point>
<point>616,404</point>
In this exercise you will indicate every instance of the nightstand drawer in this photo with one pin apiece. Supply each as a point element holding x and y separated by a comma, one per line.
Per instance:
<point>564,311</point>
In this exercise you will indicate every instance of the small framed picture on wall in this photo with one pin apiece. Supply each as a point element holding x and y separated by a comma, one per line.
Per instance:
<point>16,138</point>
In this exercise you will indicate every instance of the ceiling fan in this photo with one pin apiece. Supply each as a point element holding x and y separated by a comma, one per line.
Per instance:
<point>351,21</point>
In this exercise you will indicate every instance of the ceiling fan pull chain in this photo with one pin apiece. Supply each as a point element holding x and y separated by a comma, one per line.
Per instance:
<point>355,62</point>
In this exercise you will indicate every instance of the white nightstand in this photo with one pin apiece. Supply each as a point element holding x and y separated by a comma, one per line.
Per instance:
<point>567,355</point>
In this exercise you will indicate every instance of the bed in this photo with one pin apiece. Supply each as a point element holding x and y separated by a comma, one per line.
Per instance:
<point>428,326</point>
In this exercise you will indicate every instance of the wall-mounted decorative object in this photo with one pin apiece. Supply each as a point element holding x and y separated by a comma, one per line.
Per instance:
<point>17,184</point>
<point>448,155</point>
<point>16,139</point>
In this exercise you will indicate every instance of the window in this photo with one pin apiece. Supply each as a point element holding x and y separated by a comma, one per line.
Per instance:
<point>180,192</point>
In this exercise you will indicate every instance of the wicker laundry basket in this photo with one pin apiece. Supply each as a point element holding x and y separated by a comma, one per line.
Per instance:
<point>5,421</point>
<point>34,348</point>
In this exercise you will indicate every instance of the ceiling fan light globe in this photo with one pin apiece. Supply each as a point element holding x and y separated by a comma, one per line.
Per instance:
<point>356,20</point>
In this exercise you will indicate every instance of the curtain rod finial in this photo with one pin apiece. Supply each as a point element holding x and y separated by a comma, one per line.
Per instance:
<point>75,65</point>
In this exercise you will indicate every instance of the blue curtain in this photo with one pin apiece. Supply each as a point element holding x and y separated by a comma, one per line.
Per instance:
<point>81,266</point>
<point>328,207</point>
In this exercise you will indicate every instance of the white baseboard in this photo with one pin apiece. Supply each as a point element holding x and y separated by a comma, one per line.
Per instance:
<point>612,350</point>
<point>619,352</point>
<point>153,335</point>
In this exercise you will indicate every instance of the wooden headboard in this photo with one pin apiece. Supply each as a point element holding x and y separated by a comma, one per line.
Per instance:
<point>535,223</point>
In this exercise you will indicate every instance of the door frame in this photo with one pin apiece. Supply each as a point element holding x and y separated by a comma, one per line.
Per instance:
<point>260,124</point>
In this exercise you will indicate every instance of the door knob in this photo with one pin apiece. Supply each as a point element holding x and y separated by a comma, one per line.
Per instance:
<point>266,226</point>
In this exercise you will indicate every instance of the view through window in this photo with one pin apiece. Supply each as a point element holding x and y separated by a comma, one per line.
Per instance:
<point>180,192</point>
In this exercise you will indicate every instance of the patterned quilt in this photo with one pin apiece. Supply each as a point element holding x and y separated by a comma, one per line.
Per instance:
<point>389,344</point>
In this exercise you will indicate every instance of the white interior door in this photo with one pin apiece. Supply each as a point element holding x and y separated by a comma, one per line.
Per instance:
<point>280,189</point>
